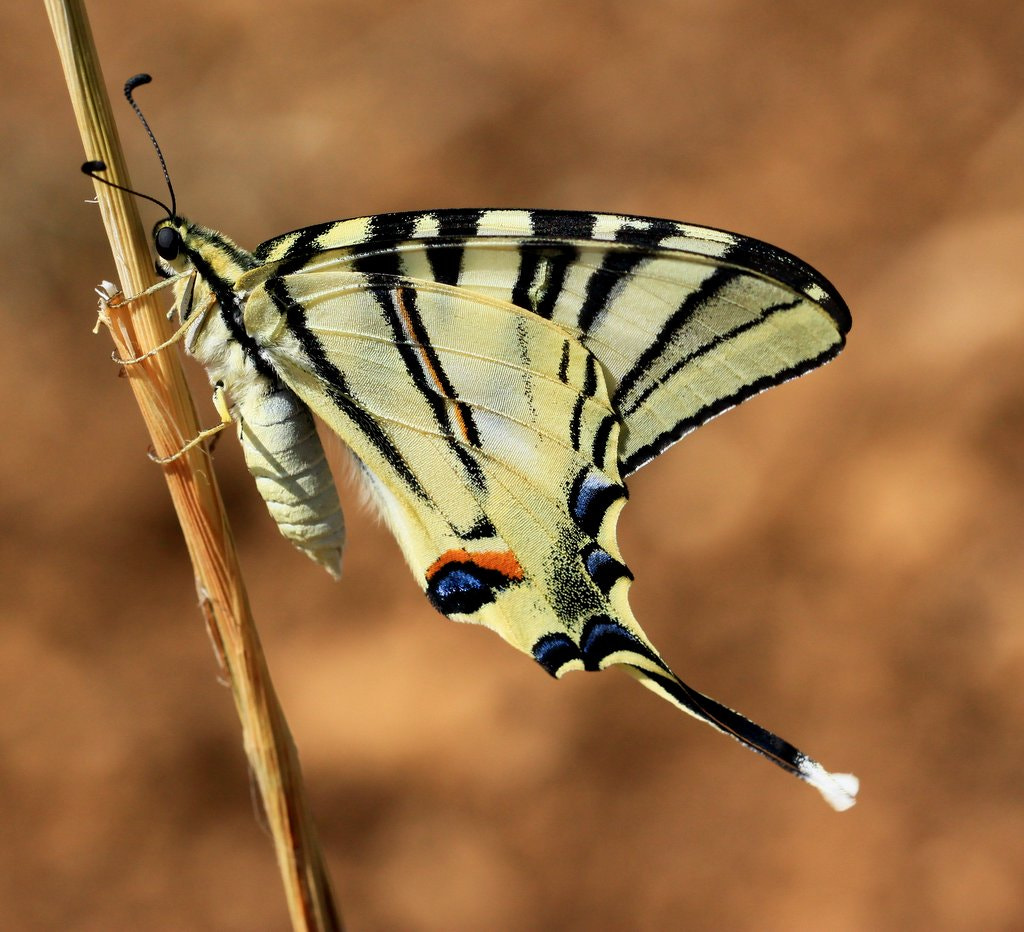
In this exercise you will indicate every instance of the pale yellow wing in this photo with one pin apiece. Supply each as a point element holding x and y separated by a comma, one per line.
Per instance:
<point>686,321</point>
<point>490,437</point>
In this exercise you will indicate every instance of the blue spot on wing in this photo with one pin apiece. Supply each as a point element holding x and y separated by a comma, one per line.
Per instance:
<point>596,558</point>
<point>554,651</point>
<point>603,568</point>
<point>603,636</point>
<point>590,498</point>
<point>459,591</point>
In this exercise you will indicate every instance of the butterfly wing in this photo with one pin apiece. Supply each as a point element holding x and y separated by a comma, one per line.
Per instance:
<point>686,321</point>
<point>458,408</point>
<point>489,433</point>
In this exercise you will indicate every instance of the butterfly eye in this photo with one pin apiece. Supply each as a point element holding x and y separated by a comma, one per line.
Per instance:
<point>168,243</point>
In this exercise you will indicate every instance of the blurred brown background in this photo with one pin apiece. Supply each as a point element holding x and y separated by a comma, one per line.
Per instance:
<point>840,559</point>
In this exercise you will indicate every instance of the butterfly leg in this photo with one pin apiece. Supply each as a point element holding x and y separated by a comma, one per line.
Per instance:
<point>187,316</point>
<point>111,296</point>
<point>170,341</point>
<point>220,402</point>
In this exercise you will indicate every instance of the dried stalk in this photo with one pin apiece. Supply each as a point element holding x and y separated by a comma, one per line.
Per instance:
<point>169,413</point>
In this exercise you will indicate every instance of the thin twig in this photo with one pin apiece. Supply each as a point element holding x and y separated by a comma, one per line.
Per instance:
<point>167,408</point>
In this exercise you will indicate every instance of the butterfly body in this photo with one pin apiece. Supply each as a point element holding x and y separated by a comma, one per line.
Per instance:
<point>277,432</point>
<point>497,374</point>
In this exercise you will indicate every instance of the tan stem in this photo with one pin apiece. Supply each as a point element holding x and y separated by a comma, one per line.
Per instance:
<point>167,408</point>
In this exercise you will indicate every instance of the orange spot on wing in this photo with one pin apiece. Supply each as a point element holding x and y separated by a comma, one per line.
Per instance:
<point>429,368</point>
<point>502,561</point>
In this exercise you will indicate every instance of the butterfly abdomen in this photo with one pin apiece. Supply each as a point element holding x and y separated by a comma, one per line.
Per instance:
<point>285,456</point>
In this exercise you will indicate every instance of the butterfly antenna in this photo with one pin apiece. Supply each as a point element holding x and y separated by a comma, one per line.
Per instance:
<point>129,86</point>
<point>93,167</point>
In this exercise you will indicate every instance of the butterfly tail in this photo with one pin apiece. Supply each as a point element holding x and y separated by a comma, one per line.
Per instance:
<point>838,789</point>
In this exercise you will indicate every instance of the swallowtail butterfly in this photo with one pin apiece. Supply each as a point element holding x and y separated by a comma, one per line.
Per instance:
<point>497,375</point>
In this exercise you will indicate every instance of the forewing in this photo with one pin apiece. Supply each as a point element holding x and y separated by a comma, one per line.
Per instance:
<point>686,321</point>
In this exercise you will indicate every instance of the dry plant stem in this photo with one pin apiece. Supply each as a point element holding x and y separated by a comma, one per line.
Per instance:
<point>167,408</point>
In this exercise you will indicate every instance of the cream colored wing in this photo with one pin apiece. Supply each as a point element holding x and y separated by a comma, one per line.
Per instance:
<point>489,434</point>
<point>686,321</point>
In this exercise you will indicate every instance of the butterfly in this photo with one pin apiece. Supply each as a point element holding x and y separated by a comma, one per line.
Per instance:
<point>496,376</point>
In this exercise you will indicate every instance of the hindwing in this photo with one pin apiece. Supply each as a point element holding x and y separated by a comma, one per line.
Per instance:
<point>478,424</point>
<point>489,433</point>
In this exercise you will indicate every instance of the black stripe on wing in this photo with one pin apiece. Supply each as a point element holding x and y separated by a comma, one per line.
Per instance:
<point>336,386</point>
<point>543,269</point>
<point>563,365</point>
<point>704,350</point>
<point>771,262</point>
<point>397,301</point>
<point>705,292</point>
<point>544,262</point>
<point>444,253</point>
<point>304,246</point>
<point>589,387</point>
<point>466,425</point>
<point>230,313</point>
<point>563,224</point>
<point>377,255</point>
<point>599,448</point>
<point>618,264</point>
<point>647,452</point>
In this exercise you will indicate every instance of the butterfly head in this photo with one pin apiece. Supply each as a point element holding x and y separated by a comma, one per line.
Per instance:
<point>177,242</point>
<point>183,246</point>
<point>169,241</point>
